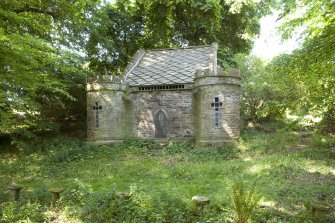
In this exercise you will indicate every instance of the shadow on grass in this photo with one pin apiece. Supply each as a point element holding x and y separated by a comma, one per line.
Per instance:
<point>170,177</point>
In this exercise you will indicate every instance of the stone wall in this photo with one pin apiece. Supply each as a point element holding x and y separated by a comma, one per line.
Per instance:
<point>112,117</point>
<point>227,90</point>
<point>188,113</point>
<point>176,104</point>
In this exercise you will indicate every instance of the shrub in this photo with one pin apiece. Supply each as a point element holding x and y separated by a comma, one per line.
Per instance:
<point>76,194</point>
<point>39,195</point>
<point>177,148</point>
<point>107,207</point>
<point>327,125</point>
<point>188,152</point>
<point>245,201</point>
<point>141,207</point>
<point>21,212</point>
<point>136,146</point>
<point>96,205</point>
<point>261,143</point>
<point>322,141</point>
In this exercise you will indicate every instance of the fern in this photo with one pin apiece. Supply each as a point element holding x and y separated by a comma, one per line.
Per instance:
<point>245,201</point>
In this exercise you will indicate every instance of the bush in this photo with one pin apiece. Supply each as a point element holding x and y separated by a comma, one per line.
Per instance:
<point>177,148</point>
<point>106,206</point>
<point>270,143</point>
<point>40,195</point>
<point>188,152</point>
<point>322,141</point>
<point>76,194</point>
<point>140,207</point>
<point>327,125</point>
<point>136,146</point>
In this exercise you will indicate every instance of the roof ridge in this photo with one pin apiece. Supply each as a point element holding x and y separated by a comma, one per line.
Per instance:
<point>179,48</point>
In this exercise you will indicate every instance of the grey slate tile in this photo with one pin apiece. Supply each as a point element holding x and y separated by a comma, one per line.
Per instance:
<point>169,66</point>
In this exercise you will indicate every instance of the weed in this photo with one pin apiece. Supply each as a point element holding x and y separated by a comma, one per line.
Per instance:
<point>188,152</point>
<point>245,201</point>
<point>92,174</point>
<point>21,212</point>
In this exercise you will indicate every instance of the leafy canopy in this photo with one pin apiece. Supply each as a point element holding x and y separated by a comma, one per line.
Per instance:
<point>41,73</point>
<point>121,28</point>
<point>309,70</point>
<point>303,81</point>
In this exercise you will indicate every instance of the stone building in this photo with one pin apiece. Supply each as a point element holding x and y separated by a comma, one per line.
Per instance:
<point>172,94</point>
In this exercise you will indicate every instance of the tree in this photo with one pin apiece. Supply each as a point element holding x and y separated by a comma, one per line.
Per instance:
<point>307,74</point>
<point>114,36</point>
<point>119,29</point>
<point>262,97</point>
<point>40,70</point>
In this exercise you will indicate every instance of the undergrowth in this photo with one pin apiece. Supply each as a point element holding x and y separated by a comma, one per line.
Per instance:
<point>161,181</point>
<point>245,201</point>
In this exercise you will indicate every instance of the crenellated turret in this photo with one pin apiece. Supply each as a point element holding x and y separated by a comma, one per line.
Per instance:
<point>217,106</point>
<point>105,108</point>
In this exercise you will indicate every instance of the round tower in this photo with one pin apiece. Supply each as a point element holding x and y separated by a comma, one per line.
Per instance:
<point>105,108</point>
<point>217,106</point>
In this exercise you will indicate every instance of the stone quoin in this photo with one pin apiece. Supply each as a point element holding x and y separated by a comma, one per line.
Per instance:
<point>169,94</point>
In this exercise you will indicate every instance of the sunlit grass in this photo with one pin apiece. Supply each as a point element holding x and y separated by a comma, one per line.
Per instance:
<point>285,178</point>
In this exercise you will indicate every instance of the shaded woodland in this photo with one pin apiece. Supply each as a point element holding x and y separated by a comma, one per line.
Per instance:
<point>49,47</point>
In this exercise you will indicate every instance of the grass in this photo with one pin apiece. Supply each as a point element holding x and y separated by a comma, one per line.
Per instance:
<point>162,181</point>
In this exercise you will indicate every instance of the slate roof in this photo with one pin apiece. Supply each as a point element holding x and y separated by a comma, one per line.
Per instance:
<point>168,66</point>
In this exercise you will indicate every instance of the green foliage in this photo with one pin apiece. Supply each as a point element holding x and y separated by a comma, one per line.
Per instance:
<point>270,143</point>
<point>119,29</point>
<point>136,146</point>
<point>321,141</point>
<point>174,148</point>
<point>114,35</point>
<point>327,124</point>
<point>42,75</point>
<point>75,195</point>
<point>302,82</point>
<point>17,212</point>
<point>68,153</point>
<point>39,195</point>
<point>187,152</point>
<point>140,207</point>
<point>162,181</point>
<point>245,201</point>
<point>315,216</point>
<point>306,76</point>
<point>260,98</point>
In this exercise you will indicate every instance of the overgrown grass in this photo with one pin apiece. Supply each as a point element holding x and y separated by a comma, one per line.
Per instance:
<point>162,181</point>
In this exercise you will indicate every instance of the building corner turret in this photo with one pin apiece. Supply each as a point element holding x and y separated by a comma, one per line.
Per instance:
<point>217,104</point>
<point>105,108</point>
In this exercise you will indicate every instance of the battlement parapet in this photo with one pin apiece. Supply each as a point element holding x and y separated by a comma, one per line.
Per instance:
<point>105,82</point>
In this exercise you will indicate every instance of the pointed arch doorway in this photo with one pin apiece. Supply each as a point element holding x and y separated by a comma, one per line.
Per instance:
<point>161,123</point>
